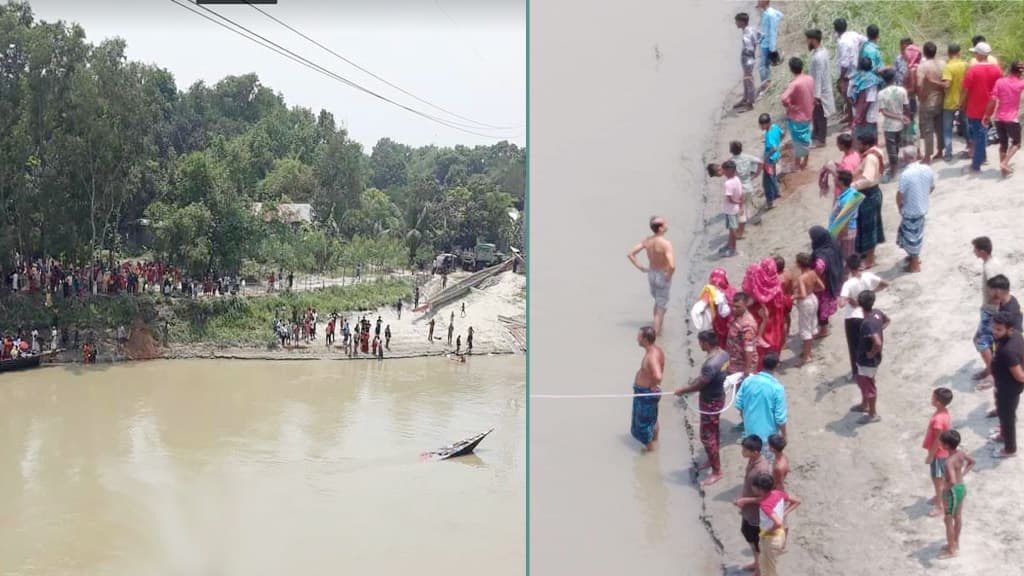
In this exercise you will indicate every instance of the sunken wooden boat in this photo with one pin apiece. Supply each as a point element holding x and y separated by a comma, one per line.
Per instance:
<point>461,448</point>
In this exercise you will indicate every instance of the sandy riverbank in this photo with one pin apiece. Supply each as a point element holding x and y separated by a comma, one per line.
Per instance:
<point>504,295</point>
<point>864,489</point>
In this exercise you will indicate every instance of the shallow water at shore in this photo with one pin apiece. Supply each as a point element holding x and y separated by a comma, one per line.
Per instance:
<point>624,98</point>
<point>255,467</point>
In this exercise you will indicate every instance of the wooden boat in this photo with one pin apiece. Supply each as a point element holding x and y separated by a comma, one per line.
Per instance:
<point>461,448</point>
<point>21,363</point>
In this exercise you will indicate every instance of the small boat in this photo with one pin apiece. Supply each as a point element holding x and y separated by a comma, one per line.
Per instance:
<point>461,448</point>
<point>21,363</point>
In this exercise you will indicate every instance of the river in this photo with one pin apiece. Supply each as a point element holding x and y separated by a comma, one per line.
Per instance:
<point>247,468</point>
<point>623,99</point>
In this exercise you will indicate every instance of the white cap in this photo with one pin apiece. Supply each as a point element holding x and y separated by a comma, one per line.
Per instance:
<point>981,48</point>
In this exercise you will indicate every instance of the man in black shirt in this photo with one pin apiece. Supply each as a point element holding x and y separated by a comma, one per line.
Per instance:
<point>869,355</point>
<point>711,385</point>
<point>1008,373</point>
<point>999,289</point>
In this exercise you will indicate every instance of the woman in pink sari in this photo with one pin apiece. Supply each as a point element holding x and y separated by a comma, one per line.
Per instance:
<point>720,280</point>
<point>762,283</point>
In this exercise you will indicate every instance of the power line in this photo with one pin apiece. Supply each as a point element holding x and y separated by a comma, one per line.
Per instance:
<point>357,66</point>
<point>270,45</point>
<point>313,65</point>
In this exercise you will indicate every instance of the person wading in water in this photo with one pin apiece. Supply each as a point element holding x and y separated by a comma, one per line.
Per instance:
<point>661,264</point>
<point>648,380</point>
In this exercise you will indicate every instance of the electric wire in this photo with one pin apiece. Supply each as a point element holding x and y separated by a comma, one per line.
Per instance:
<point>375,76</point>
<point>270,45</point>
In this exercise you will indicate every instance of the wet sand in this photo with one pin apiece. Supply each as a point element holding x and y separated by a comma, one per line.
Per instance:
<point>622,105</point>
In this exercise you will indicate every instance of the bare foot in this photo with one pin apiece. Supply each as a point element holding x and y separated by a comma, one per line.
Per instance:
<point>750,567</point>
<point>948,554</point>
<point>936,512</point>
<point>710,480</point>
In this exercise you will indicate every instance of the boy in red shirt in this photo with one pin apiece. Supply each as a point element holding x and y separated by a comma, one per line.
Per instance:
<point>774,507</point>
<point>976,91</point>
<point>937,453</point>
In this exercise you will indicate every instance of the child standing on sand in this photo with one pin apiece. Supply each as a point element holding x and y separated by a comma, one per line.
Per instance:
<point>772,148</point>
<point>869,356</point>
<point>774,506</point>
<point>937,453</point>
<point>807,283</point>
<point>731,204</point>
<point>958,464</point>
<point>780,469</point>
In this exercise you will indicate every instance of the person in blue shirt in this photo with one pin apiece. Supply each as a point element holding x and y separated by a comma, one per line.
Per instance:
<point>769,38</point>
<point>772,146</point>
<point>761,401</point>
<point>871,51</point>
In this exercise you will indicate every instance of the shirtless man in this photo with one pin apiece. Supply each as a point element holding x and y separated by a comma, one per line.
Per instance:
<point>647,381</point>
<point>661,264</point>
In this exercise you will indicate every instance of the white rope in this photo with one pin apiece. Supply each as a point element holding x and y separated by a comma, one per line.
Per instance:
<point>729,386</point>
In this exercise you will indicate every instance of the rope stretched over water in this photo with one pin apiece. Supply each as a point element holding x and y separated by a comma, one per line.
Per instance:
<point>730,390</point>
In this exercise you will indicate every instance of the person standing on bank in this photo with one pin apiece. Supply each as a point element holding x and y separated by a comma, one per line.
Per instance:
<point>824,101</point>
<point>798,100</point>
<point>1008,372</point>
<point>976,91</point>
<point>931,94</point>
<point>711,385</point>
<point>869,356</point>
<point>644,426</point>
<point>990,268</point>
<point>866,180</point>
<point>917,182</point>
<point>661,265</point>
<point>748,57</point>
<point>769,39</point>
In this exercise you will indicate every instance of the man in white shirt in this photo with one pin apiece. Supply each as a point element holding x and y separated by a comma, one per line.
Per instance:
<point>848,45</point>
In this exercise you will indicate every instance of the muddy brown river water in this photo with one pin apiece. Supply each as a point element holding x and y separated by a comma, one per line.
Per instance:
<point>236,468</point>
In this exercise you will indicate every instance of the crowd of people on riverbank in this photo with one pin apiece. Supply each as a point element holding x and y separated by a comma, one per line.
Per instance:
<point>918,100</point>
<point>52,277</point>
<point>362,336</point>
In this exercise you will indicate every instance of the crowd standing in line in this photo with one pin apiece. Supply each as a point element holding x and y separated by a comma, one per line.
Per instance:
<point>919,97</point>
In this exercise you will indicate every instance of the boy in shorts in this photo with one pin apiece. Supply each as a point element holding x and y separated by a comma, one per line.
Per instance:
<point>937,453</point>
<point>958,464</point>
<point>806,284</point>
<point>732,204</point>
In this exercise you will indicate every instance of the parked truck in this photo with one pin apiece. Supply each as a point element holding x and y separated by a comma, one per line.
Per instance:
<point>480,257</point>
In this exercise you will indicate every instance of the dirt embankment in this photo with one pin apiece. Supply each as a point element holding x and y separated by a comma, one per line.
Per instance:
<point>493,309</point>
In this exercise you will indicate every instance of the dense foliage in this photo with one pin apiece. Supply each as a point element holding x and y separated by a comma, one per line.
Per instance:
<point>102,155</point>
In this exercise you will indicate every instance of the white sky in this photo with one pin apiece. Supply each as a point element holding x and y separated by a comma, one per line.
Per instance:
<point>466,56</point>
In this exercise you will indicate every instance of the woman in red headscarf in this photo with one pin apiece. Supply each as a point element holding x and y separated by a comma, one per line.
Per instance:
<point>763,285</point>
<point>720,280</point>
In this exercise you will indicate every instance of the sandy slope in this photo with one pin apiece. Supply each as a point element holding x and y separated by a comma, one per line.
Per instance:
<point>503,295</point>
<point>864,489</point>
